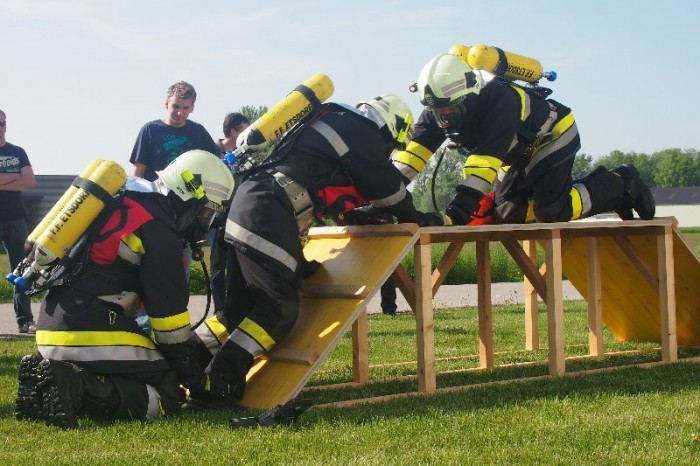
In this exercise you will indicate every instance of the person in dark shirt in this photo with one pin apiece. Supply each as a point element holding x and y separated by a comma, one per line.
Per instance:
<point>16,174</point>
<point>161,141</point>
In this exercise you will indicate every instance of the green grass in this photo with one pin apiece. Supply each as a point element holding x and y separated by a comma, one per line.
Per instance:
<point>629,416</point>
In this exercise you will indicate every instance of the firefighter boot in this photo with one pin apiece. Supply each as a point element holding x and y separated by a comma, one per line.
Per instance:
<point>28,401</point>
<point>67,390</point>
<point>62,393</point>
<point>637,194</point>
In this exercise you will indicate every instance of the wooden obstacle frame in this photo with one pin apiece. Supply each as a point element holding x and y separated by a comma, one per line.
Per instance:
<point>603,259</point>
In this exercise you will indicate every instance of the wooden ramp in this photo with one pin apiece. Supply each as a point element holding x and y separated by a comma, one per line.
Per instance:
<point>356,261</point>
<point>629,280</point>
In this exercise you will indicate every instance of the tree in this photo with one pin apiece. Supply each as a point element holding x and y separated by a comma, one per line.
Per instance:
<point>252,113</point>
<point>677,168</point>
<point>583,165</point>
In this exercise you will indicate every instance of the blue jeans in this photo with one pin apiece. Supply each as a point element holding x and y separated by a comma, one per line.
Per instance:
<point>13,234</point>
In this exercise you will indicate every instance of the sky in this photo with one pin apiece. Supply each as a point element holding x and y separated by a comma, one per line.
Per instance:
<point>78,78</point>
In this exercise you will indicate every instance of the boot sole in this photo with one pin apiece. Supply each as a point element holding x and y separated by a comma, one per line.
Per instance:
<point>28,404</point>
<point>57,408</point>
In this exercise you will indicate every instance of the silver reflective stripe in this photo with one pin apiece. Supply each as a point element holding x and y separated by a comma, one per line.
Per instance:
<point>217,189</point>
<point>477,183</point>
<point>501,174</point>
<point>208,338</point>
<point>332,137</point>
<point>99,353</point>
<point>247,342</point>
<point>153,408</point>
<point>555,145</point>
<point>406,170</point>
<point>172,337</point>
<point>550,120</point>
<point>126,253</point>
<point>585,198</point>
<point>261,244</point>
<point>394,199</point>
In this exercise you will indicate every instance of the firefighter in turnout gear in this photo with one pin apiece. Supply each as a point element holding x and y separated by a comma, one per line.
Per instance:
<point>92,356</point>
<point>331,163</point>
<point>517,140</point>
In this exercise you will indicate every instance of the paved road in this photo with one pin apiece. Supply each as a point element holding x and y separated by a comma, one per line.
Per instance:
<point>447,296</point>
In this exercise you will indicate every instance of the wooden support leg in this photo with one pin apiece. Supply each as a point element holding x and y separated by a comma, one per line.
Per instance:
<point>360,353</point>
<point>532,333</point>
<point>555,304</point>
<point>595,299</point>
<point>667,296</point>
<point>483,278</point>
<point>424,317</point>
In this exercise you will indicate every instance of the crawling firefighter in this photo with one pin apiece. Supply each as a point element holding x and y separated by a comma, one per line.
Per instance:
<point>332,163</point>
<point>518,140</point>
<point>92,356</point>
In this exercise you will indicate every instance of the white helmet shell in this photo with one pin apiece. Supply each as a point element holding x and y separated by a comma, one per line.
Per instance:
<point>210,170</point>
<point>446,80</point>
<point>395,114</point>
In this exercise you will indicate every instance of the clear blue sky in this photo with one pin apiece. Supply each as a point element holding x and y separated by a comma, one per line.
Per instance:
<point>80,77</point>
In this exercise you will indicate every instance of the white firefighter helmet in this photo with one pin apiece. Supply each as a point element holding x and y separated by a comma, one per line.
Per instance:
<point>394,113</point>
<point>198,173</point>
<point>446,81</point>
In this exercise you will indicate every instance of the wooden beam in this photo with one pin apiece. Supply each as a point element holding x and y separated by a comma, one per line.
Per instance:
<point>446,262</point>
<point>405,284</point>
<point>555,304</point>
<point>374,231</point>
<point>425,332</point>
<point>647,272</point>
<point>667,296</point>
<point>293,356</point>
<point>532,334</point>
<point>360,352</point>
<point>483,278</point>
<point>526,265</point>
<point>595,298</point>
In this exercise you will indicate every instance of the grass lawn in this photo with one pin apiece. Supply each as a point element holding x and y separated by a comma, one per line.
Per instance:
<point>631,416</point>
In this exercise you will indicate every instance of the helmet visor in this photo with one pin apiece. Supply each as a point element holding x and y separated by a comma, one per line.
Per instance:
<point>449,117</point>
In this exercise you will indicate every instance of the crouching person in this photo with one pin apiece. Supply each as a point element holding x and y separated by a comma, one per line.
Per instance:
<point>92,356</point>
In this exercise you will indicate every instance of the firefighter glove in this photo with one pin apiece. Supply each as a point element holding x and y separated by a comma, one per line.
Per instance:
<point>464,206</point>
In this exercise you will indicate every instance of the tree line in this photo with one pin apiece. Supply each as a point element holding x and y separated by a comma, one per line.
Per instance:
<point>668,168</point>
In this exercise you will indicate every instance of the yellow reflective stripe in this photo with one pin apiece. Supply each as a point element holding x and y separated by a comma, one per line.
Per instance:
<point>415,155</point>
<point>563,125</point>
<point>524,101</point>
<point>576,203</point>
<point>217,329</point>
<point>134,243</point>
<point>165,324</point>
<point>484,166</point>
<point>92,338</point>
<point>530,214</point>
<point>258,333</point>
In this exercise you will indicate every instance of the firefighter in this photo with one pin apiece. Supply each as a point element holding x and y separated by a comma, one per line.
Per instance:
<point>92,356</point>
<point>336,161</point>
<point>517,140</point>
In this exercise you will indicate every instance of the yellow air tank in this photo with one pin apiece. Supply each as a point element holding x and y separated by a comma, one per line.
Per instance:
<point>299,103</point>
<point>502,63</point>
<point>71,219</point>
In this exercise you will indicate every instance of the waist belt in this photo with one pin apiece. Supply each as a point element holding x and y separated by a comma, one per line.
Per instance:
<point>300,199</point>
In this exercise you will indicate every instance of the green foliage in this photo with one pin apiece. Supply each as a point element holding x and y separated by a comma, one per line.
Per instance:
<point>583,164</point>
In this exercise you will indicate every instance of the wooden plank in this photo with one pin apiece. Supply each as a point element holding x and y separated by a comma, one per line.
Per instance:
<point>595,301</point>
<point>354,261</point>
<point>483,266</point>
<point>317,290</point>
<point>293,356</point>
<point>555,304</point>
<point>425,332</point>
<point>667,297</point>
<point>532,334</point>
<point>375,231</point>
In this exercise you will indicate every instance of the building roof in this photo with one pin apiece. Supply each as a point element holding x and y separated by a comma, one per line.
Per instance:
<point>677,196</point>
